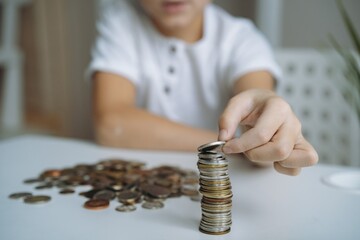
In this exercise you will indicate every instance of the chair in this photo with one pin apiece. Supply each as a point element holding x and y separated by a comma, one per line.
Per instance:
<point>310,86</point>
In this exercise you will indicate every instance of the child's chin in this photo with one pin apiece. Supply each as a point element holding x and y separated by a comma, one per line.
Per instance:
<point>176,22</point>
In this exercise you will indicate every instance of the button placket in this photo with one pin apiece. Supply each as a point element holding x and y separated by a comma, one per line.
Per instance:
<point>173,49</point>
<point>171,70</point>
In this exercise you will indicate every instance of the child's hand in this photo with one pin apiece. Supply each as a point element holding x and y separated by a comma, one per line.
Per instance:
<point>273,131</point>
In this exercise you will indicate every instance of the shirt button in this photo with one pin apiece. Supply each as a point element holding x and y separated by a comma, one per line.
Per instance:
<point>171,70</point>
<point>173,49</point>
<point>167,89</point>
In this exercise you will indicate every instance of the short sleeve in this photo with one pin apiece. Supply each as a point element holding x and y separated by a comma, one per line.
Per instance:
<point>114,50</point>
<point>251,52</point>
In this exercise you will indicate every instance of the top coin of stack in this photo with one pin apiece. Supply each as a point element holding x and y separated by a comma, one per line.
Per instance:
<point>215,187</point>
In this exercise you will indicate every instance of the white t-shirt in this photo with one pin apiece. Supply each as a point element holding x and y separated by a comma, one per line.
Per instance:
<point>187,83</point>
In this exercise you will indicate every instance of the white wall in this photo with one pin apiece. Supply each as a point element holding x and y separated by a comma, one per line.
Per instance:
<point>306,23</point>
<point>303,23</point>
<point>244,8</point>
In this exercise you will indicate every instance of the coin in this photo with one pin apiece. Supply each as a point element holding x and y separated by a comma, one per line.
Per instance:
<point>208,147</point>
<point>128,181</point>
<point>32,180</point>
<point>116,187</point>
<point>189,191</point>
<point>128,197</point>
<point>156,191</point>
<point>19,195</point>
<point>104,194</point>
<point>67,191</point>
<point>96,204</point>
<point>89,194</point>
<point>51,173</point>
<point>37,199</point>
<point>126,208</point>
<point>192,180</point>
<point>44,186</point>
<point>152,205</point>
<point>218,232</point>
<point>196,198</point>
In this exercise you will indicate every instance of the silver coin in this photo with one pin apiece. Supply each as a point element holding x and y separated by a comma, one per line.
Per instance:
<point>213,162</point>
<point>126,208</point>
<point>214,229</point>
<point>215,178</point>
<point>213,146</point>
<point>210,155</point>
<point>152,205</point>
<point>196,198</point>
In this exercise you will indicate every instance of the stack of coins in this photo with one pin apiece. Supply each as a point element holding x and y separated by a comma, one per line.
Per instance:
<point>215,188</point>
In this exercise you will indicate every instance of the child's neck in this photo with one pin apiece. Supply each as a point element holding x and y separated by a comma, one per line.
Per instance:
<point>190,34</point>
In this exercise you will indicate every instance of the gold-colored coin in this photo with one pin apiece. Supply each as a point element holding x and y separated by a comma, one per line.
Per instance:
<point>66,191</point>
<point>37,199</point>
<point>19,195</point>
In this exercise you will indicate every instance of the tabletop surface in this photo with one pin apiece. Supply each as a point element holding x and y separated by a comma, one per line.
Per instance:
<point>266,204</point>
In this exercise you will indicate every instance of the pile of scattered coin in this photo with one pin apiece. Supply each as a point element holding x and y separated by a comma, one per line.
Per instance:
<point>215,188</point>
<point>128,182</point>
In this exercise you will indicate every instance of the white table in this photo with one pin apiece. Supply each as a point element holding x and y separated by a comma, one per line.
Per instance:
<point>266,205</point>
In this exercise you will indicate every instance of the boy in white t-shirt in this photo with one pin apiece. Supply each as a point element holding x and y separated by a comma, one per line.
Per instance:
<point>167,74</point>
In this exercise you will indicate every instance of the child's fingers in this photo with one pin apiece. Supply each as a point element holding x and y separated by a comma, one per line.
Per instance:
<point>236,110</point>
<point>303,155</point>
<point>272,115</point>
<point>287,171</point>
<point>281,145</point>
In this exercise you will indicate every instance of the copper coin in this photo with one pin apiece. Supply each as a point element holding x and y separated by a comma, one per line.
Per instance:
<point>53,173</point>
<point>19,195</point>
<point>96,204</point>
<point>126,208</point>
<point>37,199</point>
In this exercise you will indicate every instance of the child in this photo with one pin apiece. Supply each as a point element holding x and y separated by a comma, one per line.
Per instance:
<point>168,73</point>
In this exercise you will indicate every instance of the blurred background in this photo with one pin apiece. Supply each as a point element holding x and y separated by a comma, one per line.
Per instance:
<point>45,49</point>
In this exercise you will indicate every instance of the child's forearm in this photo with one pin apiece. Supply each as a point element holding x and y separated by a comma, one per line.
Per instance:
<point>137,128</point>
